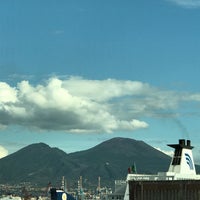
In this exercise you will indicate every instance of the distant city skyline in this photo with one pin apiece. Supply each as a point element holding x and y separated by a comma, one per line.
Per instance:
<point>77,73</point>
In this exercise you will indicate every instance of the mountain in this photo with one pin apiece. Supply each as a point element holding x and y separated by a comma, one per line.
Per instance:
<point>111,159</point>
<point>36,163</point>
<point>40,164</point>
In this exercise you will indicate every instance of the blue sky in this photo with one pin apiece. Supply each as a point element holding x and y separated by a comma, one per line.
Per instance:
<point>75,73</point>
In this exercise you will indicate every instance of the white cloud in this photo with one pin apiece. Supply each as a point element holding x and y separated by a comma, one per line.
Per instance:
<point>169,153</point>
<point>75,104</point>
<point>3,152</point>
<point>7,94</point>
<point>187,3</point>
<point>103,90</point>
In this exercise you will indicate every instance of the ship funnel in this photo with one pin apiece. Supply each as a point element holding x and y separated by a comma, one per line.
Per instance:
<point>182,160</point>
<point>182,142</point>
<point>188,143</point>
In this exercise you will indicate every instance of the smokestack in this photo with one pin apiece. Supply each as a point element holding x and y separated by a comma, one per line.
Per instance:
<point>99,184</point>
<point>188,143</point>
<point>182,142</point>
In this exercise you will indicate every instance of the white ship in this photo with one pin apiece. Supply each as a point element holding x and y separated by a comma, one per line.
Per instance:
<point>181,167</point>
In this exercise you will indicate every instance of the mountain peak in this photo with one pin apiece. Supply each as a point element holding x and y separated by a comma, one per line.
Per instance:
<point>40,163</point>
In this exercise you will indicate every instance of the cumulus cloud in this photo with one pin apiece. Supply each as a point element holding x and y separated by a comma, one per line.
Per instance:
<point>3,152</point>
<point>75,104</point>
<point>7,93</point>
<point>187,3</point>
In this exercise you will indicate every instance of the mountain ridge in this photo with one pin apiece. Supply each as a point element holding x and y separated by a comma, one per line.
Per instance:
<point>39,163</point>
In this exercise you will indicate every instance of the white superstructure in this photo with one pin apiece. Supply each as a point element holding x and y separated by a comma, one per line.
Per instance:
<point>181,167</point>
